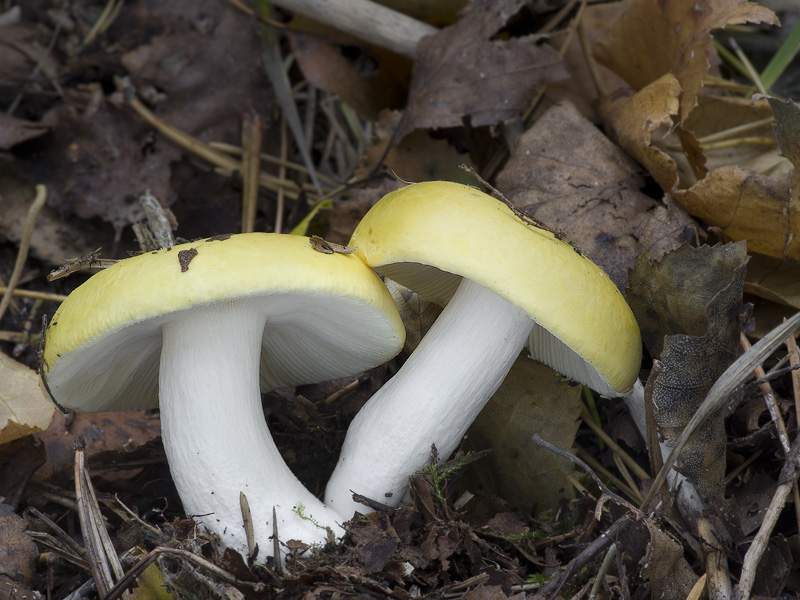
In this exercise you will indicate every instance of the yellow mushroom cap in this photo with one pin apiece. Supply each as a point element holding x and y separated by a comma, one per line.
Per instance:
<point>427,236</point>
<point>328,315</point>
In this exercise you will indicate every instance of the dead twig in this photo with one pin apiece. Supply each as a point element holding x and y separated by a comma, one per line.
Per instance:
<point>24,246</point>
<point>786,480</point>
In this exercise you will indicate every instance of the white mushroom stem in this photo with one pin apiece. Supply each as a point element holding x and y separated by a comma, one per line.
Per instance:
<point>432,399</point>
<point>215,436</point>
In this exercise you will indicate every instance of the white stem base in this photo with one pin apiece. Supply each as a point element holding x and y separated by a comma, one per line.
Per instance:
<point>215,436</point>
<point>433,399</point>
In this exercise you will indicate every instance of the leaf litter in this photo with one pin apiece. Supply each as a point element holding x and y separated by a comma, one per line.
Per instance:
<point>632,159</point>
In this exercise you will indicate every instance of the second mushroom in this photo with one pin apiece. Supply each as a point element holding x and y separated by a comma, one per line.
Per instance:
<point>505,283</point>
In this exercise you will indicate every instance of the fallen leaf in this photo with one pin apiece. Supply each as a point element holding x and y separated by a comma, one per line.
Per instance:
<point>565,173</point>
<point>747,206</point>
<point>774,279</point>
<point>417,157</point>
<point>121,431</point>
<point>688,306</point>
<point>326,68</point>
<point>532,399</point>
<point>653,38</point>
<point>417,313</point>
<point>18,553</point>
<point>14,131</point>
<point>460,72</point>
<point>665,566</point>
<point>94,162</point>
<point>634,119</point>
<point>23,408</point>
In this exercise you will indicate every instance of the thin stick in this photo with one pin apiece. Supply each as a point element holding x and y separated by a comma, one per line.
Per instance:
<point>632,464</point>
<point>755,552</point>
<point>251,166</point>
<point>17,293</point>
<point>794,360</point>
<point>280,202</point>
<point>777,418</point>
<point>24,246</point>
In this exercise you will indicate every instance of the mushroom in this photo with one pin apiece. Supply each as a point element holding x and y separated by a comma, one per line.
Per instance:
<point>195,329</point>
<point>505,282</point>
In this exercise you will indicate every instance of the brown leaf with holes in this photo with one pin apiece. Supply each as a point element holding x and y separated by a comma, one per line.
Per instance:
<point>565,173</point>
<point>461,72</point>
<point>653,37</point>
<point>688,306</point>
<point>634,118</point>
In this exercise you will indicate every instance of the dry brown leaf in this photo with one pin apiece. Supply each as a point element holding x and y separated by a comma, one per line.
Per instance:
<point>665,566</point>
<point>325,67</point>
<point>567,174</point>
<point>94,163</point>
<point>23,408</point>
<point>634,118</point>
<point>417,157</point>
<point>460,72</point>
<point>120,431</point>
<point>653,38</point>
<point>774,280</point>
<point>532,399</point>
<point>747,206</point>
<point>18,556</point>
<point>417,313</point>
<point>14,131</point>
<point>691,302</point>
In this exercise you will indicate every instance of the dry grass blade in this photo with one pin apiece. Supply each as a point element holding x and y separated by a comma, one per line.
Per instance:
<point>788,478</point>
<point>719,393</point>
<point>24,245</point>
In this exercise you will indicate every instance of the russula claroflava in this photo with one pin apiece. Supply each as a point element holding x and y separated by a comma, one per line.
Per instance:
<point>505,283</point>
<point>198,330</point>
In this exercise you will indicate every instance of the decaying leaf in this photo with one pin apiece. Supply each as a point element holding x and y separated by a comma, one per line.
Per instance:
<point>94,161</point>
<point>747,206</point>
<point>653,38</point>
<point>14,131</point>
<point>565,173</point>
<point>417,313</point>
<point>460,72</point>
<point>689,306</point>
<point>532,399</point>
<point>23,408</point>
<point>665,567</point>
<point>634,118</point>
<point>774,280</point>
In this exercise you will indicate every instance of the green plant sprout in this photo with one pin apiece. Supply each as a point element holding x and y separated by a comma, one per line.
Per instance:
<point>299,510</point>
<point>439,477</point>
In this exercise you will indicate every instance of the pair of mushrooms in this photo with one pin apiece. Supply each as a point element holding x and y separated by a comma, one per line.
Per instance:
<point>200,329</point>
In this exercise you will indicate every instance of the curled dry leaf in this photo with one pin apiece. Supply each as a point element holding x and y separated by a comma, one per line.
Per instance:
<point>665,567</point>
<point>14,131</point>
<point>653,38</point>
<point>565,173</point>
<point>633,118</point>
<point>23,408</point>
<point>688,307</point>
<point>460,72</point>
<point>747,206</point>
